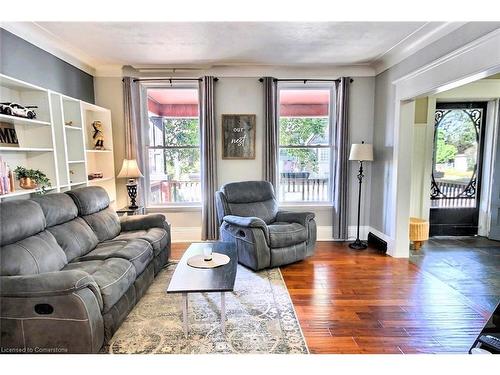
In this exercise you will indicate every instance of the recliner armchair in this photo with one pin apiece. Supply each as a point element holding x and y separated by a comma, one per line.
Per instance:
<point>265,236</point>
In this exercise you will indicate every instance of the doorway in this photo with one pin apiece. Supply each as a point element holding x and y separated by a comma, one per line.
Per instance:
<point>456,168</point>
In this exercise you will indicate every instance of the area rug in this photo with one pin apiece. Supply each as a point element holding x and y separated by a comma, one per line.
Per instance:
<point>260,319</point>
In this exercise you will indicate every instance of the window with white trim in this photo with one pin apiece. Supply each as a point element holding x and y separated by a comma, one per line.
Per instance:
<point>305,143</point>
<point>173,147</point>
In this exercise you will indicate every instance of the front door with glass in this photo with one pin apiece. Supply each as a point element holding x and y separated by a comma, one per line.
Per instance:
<point>456,170</point>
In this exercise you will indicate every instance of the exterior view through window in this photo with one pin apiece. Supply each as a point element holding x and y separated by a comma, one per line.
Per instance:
<point>174,146</point>
<point>305,143</point>
<point>457,168</point>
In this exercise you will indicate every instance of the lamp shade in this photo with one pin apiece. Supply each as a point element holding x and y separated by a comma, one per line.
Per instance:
<point>130,169</point>
<point>361,152</point>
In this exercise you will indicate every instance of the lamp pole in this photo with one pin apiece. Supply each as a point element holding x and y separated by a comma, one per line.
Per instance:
<point>358,244</point>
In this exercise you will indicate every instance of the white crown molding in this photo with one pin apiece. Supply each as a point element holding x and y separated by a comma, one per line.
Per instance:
<point>421,38</point>
<point>42,38</point>
<point>109,71</point>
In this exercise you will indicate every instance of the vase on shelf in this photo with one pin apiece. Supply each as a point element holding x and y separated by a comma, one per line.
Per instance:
<point>27,183</point>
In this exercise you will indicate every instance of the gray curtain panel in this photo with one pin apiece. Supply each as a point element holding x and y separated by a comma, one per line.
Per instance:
<point>341,183</point>
<point>271,108</point>
<point>133,133</point>
<point>208,159</point>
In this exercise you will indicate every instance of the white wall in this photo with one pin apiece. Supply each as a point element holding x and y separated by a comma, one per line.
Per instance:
<point>245,95</point>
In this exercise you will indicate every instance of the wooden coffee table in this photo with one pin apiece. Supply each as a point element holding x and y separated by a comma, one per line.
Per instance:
<point>187,279</point>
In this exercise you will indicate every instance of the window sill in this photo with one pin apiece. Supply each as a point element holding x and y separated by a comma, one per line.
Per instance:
<point>160,209</point>
<point>324,206</point>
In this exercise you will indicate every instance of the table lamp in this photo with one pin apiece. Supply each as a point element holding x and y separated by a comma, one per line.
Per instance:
<point>130,170</point>
<point>360,152</point>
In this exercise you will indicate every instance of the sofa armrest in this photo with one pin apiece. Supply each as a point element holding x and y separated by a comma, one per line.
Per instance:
<point>295,217</point>
<point>143,222</point>
<point>246,221</point>
<point>48,284</point>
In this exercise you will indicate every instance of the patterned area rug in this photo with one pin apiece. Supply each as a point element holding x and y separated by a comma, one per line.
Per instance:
<point>260,319</point>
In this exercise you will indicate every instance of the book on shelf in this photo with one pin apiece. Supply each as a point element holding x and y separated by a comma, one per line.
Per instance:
<point>6,178</point>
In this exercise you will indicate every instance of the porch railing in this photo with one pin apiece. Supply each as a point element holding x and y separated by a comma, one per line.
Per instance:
<point>451,190</point>
<point>170,191</point>
<point>304,189</point>
<point>291,189</point>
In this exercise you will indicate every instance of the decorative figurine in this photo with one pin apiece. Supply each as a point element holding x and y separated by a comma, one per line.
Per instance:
<point>68,123</point>
<point>98,136</point>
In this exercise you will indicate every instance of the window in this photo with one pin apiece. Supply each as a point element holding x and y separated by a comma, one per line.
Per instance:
<point>305,143</point>
<point>173,146</point>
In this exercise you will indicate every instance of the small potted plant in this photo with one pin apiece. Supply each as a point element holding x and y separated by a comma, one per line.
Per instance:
<point>31,179</point>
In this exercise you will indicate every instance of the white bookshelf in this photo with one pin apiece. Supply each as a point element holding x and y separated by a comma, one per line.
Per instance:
<point>59,141</point>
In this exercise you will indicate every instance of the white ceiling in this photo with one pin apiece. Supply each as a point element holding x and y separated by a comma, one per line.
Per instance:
<point>231,43</point>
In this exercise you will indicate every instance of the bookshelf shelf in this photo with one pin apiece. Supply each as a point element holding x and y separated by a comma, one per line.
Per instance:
<point>63,152</point>
<point>22,121</point>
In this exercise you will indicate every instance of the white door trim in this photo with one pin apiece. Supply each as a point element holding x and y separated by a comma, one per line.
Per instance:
<point>476,60</point>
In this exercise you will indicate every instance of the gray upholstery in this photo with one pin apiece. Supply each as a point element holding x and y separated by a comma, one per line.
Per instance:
<point>20,219</point>
<point>285,255</point>
<point>105,224</point>
<point>113,276</point>
<point>75,237</point>
<point>138,252</point>
<point>152,228</point>
<point>35,254</point>
<point>286,234</point>
<point>57,208</point>
<point>249,216</point>
<point>89,200</point>
<point>251,198</point>
<point>111,264</point>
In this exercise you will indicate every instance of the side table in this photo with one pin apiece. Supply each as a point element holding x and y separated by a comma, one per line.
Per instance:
<point>131,211</point>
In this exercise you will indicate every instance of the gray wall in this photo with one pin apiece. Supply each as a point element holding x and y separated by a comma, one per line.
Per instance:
<point>22,60</point>
<point>384,115</point>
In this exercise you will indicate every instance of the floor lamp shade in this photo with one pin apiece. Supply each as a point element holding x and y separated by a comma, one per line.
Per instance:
<point>131,170</point>
<point>361,152</point>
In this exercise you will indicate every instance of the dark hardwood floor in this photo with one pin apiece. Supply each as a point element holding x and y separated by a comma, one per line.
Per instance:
<point>366,302</point>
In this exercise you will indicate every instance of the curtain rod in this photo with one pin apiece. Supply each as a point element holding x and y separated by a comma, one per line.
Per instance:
<point>305,80</point>
<point>170,79</point>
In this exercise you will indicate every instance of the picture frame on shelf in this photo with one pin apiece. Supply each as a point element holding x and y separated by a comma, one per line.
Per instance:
<point>8,135</point>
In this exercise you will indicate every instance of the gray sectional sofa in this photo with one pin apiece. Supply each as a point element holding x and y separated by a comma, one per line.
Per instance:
<point>265,236</point>
<point>71,269</point>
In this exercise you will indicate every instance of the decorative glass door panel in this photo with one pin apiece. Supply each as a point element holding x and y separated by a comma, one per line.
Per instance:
<point>456,169</point>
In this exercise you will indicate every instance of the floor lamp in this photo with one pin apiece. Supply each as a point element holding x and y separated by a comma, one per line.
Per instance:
<point>360,152</point>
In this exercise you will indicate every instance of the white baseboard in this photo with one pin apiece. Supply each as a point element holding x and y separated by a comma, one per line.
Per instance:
<point>386,238</point>
<point>193,234</point>
<point>325,232</point>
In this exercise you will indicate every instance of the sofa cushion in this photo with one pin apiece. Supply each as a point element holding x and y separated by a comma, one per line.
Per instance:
<point>114,277</point>
<point>75,237</point>
<point>138,252</point>
<point>289,254</point>
<point>265,210</point>
<point>32,255</point>
<point>286,234</point>
<point>248,191</point>
<point>20,219</point>
<point>89,200</point>
<point>58,208</point>
<point>157,237</point>
<point>250,198</point>
<point>105,224</point>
